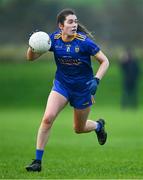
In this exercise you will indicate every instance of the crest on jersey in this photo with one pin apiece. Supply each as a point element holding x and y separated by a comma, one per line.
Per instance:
<point>76,49</point>
<point>68,47</point>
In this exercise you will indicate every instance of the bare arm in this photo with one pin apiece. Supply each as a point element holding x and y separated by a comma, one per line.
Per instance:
<point>104,64</point>
<point>31,56</point>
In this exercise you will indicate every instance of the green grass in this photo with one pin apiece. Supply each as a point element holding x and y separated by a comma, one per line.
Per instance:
<point>23,92</point>
<point>67,154</point>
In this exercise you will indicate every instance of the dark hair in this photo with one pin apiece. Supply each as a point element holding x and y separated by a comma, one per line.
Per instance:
<point>62,16</point>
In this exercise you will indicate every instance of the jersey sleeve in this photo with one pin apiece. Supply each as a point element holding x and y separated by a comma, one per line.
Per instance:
<point>90,47</point>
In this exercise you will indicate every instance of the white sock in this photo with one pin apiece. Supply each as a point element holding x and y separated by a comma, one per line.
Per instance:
<point>96,125</point>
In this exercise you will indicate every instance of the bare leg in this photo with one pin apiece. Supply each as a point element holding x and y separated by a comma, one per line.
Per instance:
<point>55,104</point>
<point>81,124</point>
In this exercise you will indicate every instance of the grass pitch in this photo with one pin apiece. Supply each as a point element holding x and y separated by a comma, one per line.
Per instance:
<point>24,89</point>
<point>67,154</point>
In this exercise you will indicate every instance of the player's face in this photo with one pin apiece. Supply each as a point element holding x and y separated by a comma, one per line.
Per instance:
<point>70,25</point>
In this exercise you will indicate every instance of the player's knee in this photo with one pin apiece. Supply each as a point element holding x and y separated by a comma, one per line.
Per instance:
<point>48,119</point>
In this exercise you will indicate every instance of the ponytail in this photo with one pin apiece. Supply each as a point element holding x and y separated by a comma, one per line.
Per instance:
<point>82,28</point>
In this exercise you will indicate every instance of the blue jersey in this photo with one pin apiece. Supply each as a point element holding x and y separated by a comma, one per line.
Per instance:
<point>73,59</point>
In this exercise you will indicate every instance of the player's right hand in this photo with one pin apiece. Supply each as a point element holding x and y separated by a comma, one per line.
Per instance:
<point>93,84</point>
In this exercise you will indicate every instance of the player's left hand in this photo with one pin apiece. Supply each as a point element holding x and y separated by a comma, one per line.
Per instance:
<point>93,85</point>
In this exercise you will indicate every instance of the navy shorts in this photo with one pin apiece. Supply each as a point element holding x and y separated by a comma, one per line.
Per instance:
<point>78,100</point>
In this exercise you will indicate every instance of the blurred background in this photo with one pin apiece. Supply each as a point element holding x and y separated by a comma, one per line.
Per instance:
<point>117,28</point>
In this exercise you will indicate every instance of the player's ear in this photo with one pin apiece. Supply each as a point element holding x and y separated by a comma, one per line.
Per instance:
<point>61,26</point>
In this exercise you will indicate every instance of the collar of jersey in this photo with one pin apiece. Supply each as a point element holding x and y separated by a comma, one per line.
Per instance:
<point>74,36</point>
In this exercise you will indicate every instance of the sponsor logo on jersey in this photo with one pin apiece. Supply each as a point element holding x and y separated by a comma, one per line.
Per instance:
<point>69,61</point>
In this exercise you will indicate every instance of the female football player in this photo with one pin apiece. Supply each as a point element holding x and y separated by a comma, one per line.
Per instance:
<point>74,81</point>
